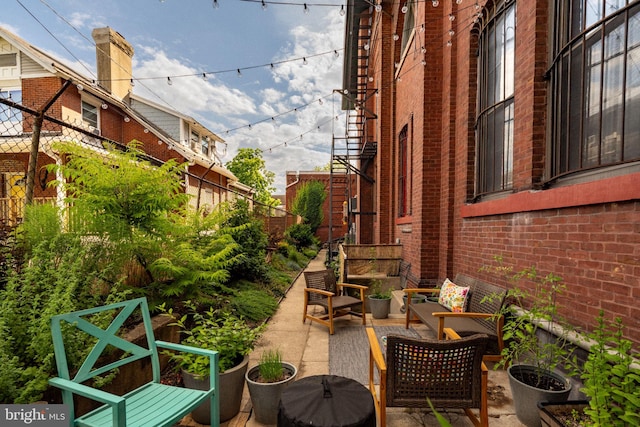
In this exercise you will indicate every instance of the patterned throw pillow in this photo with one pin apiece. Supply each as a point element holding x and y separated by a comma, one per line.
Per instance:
<point>453,297</point>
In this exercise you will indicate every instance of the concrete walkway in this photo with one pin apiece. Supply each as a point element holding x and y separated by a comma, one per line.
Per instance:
<point>307,346</point>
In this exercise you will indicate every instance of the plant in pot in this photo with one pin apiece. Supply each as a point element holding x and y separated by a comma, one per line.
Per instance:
<point>532,355</point>
<point>266,382</point>
<point>379,300</point>
<point>233,338</point>
<point>610,378</point>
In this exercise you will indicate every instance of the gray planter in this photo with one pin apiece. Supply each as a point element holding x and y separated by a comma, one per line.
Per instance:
<point>231,387</point>
<point>265,397</point>
<point>379,307</point>
<point>526,397</point>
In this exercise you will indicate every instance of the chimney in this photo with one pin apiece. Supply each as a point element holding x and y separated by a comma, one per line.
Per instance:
<point>113,59</point>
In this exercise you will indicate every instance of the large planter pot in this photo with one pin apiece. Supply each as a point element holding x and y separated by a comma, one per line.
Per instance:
<point>557,414</point>
<point>526,397</point>
<point>415,299</point>
<point>231,386</point>
<point>379,307</point>
<point>265,397</point>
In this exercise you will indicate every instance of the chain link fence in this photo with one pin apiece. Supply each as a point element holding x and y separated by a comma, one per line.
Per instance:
<point>26,139</point>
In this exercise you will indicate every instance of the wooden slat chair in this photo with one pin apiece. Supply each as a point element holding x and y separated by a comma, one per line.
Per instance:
<point>152,404</point>
<point>449,373</point>
<point>321,289</point>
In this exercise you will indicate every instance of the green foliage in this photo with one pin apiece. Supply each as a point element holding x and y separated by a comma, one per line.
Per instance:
<point>526,314</point>
<point>300,235</point>
<point>60,277</point>
<point>40,223</point>
<point>270,366</point>
<point>610,380</point>
<point>376,292</point>
<point>248,231</point>
<point>249,167</point>
<point>254,304</point>
<point>121,191</point>
<point>230,335</point>
<point>308,203</point>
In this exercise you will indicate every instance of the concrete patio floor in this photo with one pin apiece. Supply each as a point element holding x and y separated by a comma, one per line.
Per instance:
<point>307,346</point>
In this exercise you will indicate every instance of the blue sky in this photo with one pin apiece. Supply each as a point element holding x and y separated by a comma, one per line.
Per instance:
<point>190,37</point>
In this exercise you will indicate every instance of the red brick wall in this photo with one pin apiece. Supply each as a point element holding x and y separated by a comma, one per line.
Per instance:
<point>586,233</point>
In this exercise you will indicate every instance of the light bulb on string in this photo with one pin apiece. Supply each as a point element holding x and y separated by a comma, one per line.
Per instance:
<point>320,101</point>
<point>422,28</point>
<point>396,37</point>
<point>451,33</point>
<point>304,61</point>
<point>435,3</point>
<point>366,46</point>
<point>306,9</point>
<point>449,43</point>
<point>264,5</point>
<point>404,8</point>
<point>477,6</point>
<point>452,17</point>
<point>423,49</point>
<point>378,7</point>
<point>458,1</point>
<point>239,73</point>
<point>342,11</point>
<point>215,4</point>
<point>204,76</point>
<point>336,54</point>
<point>169,82</point>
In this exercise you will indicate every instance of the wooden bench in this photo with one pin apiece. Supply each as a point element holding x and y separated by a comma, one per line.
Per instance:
<point>151,404</point>
<point>479,317</point>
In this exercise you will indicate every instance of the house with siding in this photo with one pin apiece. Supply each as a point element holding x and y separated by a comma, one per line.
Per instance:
<point>502,128</point>
<point>90,111</point>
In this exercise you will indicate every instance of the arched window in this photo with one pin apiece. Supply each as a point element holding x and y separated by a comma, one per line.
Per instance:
<point>595,85</point>
<point>495,109</point>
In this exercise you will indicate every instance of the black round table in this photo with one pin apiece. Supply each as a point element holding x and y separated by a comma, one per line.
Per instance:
<point>326,401</point>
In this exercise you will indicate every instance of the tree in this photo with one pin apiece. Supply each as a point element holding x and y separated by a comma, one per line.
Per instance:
<point>308,203</point>
<point>249,167</point>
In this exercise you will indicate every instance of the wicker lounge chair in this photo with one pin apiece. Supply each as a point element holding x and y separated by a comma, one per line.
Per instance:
<point>322,289</point>
<point>448,373</point>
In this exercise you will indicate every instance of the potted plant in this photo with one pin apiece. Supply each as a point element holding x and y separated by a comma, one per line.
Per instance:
<point>531,354</point>
<point>233,338</point>
<point>266,382</point>
<point>610,378</point>
<point>379,300</point>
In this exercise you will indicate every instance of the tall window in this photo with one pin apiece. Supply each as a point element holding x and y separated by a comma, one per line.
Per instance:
<point>404,187</point>
<point>90,115</point>
<point>595,84</point>
<point>494,125</point>
<point>10,118</point>
<point>409,23</point>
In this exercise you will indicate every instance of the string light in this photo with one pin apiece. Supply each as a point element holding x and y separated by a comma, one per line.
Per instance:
<point>342,11</point>
<point>215,4</point>
<point>435,3</point>
<point>169,82</point>
<point>306,9</point>
<point>239,73</point>
<point>405,8</point>
<point>264,5</point>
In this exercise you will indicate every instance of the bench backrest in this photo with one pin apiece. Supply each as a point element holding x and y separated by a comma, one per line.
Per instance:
<point>105,339</point>
<point>479,290</point>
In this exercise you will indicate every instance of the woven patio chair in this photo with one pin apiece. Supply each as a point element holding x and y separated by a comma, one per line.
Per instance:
<point>448,373</point>
<point>323,290</point>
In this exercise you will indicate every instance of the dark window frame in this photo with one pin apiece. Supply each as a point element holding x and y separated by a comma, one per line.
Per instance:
<point>495,109</point>
<point>592,126</point>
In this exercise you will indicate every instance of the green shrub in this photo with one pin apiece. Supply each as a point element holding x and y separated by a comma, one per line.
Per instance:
<point>254,305</point>
<point>300,235</point>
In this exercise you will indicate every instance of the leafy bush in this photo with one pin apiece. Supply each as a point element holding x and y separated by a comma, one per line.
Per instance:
<point>300,235</point>
<point>60,277</point>
<point>254,304</point>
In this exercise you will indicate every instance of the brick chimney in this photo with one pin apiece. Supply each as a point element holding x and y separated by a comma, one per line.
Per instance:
<point>113,59</point>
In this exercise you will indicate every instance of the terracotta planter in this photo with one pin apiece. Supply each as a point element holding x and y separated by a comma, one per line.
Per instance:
<point>231,388</point>
<point>265,397</point>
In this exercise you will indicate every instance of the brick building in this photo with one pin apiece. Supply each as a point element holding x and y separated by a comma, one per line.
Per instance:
<point>504,128</point>
<point>90,112</point>
<point>333,207</point>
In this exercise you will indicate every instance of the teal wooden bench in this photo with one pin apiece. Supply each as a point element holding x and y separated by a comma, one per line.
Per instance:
<point>152,404</point>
